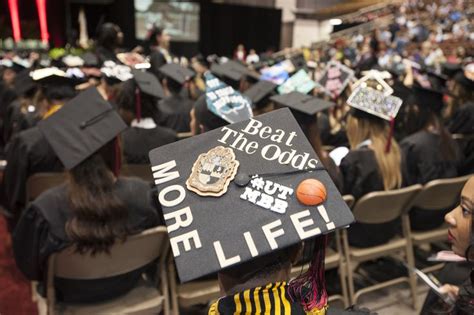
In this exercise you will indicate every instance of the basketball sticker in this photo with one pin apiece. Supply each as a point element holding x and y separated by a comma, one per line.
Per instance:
<point>311,192</point>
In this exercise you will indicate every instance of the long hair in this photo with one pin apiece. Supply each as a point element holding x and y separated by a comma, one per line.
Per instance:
<point>462,94</point>
<point>99,216</point>
<point>108,36</point>
<point>126,99</point>
<point>360,129</point>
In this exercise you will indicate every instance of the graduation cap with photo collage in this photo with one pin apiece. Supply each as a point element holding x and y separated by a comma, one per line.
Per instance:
<point>300,82</point>
<point>335,78</point>
<point>243,191</point>
<point>226,102</point>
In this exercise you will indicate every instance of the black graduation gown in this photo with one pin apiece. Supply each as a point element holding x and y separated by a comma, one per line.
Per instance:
<point>16,121</point>
<point>361,175</point>
<point>41,232</point>
<point>462,122</point>
<point>138,142</point>
<point>174,113</point>
<point>7,95</point>
<point>28,153</point>
<point>422,151</point>
<point>104,54</point>
<point>157,60</point>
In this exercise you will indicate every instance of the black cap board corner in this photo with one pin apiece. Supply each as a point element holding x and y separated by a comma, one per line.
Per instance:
<point>81,127</point>
<point>203,195</point>
<point>302,103</point>
<point>260,91</point>
<point>148,84</point>
<point>177,73</point>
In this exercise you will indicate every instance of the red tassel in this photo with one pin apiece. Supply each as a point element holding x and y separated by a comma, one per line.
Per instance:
<point>309,288</point>
<point>138,104</point>
<point>118,157</point>
<point>390,136</point>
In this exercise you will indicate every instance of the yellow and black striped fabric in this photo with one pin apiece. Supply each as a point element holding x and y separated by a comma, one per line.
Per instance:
<point>272,299</point>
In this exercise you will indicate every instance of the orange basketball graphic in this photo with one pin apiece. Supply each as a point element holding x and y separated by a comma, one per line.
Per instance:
<point>311,192</point>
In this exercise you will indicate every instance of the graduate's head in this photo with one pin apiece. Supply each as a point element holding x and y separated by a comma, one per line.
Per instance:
<point>138,97</point>
<point>176,77</point>
<point>83,134</point>
<point>461,232</point>
<point>202,119</point>
<point>158,36</point>
<point>271,268</point>
<point>110,36</point>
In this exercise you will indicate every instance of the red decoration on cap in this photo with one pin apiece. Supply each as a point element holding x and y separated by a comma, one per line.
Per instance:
<point>311,192</point>
<point>138,104</point>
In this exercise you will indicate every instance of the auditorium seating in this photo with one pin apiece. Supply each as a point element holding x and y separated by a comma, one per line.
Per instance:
<point>376,208</point>
<point>137,251</point>
<point>439,194</point>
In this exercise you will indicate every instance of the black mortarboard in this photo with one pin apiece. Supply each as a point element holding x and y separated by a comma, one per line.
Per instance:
<point>450,69</point>
<point>81,127</point>
<point>24,83</point>
<point>52,77</point>
<point>15,66</point>
<point>148,84</point>
<point>302,103</point>
<point>236,71</point>
<point>428,98</point>
<point>461,77</point>
<point>233,194</point>
<point>177,73</point>
<point>225,73</point>
<point>260,91</point>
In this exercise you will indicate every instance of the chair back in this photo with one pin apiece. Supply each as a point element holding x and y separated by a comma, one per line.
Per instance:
<point>142,171</point>
<point>135,252</point>
<point>349,200</point>
<point>40,182</point>
<point>440,194</point>
<point>384,206</point>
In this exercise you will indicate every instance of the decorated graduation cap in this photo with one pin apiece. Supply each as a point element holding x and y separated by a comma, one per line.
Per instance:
<point>54,76</point>
<point>226,102</point>
<point>376,80</point>
<point>177,73</point>
<point>115,73</point>
<point>300,82</point>
<point>81,127</point>
<point>244,191</point>
<point>260,92</point>
<point>277,73</point>
<point>335,78</point>
<point>366,100</point>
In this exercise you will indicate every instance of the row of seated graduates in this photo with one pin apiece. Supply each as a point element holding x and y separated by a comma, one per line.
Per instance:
<point>357,171</point>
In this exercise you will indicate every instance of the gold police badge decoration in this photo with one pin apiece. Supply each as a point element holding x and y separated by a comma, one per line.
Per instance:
<point>212,172</point>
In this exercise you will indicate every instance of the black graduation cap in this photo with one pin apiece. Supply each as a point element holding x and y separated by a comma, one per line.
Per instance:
<point>81,127</point>
<point>233,194</point>
<point>177,73</point>
<point>52,76</point>
<point>90,60</point>
<point>428,98</point>
<point>260,91</point>
<point>450,69</point>
<point>461,78</point>
<point>225,73</point>
<point>235,71</point>
<point>15,66</point>
<point>148,84</point>
<point>24,83</point>
<point>302,103</point>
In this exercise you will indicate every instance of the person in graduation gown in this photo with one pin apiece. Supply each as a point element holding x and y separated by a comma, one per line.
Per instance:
<point>137,105</point>
<point>158,49</point>
<point>462,119</point>
<point>430,152</point>
<point>29,152</point>
<point>374,163</point>
<point>461,235</point>
<point>95,207</point>
<point>174,110</point>
<point>110,37</point>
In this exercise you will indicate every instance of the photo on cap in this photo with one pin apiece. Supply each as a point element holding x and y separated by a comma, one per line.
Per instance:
<point>375,80</point>
<point>335,78</point>
<point>243,191</point>
<point>226,102</point>
<point>277,73</point>
<point>375,102</point>
<point>300,82</point>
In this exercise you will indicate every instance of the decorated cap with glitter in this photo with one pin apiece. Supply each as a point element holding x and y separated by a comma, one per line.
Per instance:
<point>375,102</point>
<point>243,191</point>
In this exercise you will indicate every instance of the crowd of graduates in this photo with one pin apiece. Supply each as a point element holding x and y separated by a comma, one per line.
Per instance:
<point>149,98</point>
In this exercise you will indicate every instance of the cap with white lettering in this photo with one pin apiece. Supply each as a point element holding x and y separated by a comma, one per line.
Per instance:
<point>241,191</point>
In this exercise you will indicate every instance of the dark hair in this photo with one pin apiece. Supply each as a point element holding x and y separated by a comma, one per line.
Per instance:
<point>126,99</point>
<point>205,117</point>
<point>154,32</point>
<point>58,92</point>
<point>173,86</point>
<point>108,35</point>
<point>99,216</point>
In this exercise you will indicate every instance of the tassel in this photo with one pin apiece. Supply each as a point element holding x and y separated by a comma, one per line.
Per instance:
<point>118,157</point>
<point>390,135</point>
<point>309,288</point>
<point>138,104</point>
